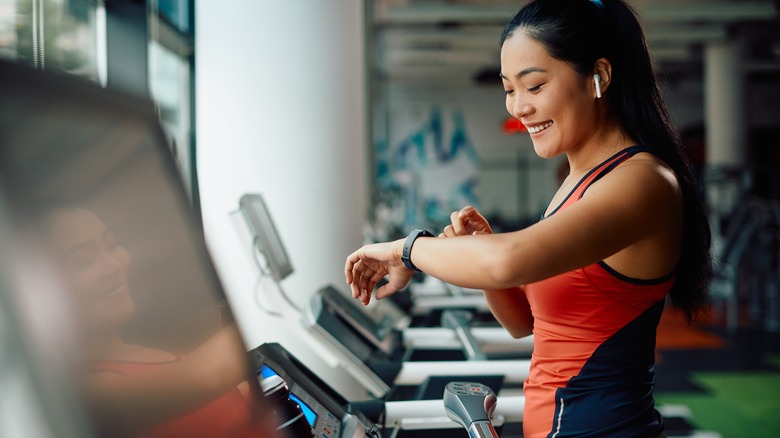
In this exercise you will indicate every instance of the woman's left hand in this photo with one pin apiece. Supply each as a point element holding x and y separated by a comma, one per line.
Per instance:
<point>371,263</point>
<point>466,221</point>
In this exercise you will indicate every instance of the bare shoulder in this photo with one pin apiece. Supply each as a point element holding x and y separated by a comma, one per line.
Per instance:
<point>642,193</point>
<point>629,218</point>
<point>643,177</point>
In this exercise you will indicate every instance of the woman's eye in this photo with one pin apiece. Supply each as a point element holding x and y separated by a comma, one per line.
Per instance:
<point>111,243</point>
<point>79,263</point>
<point>535,89</point>
<point>509,92</point>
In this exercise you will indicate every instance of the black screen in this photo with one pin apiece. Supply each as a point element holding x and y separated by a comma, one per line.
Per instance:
<point>112,279</point>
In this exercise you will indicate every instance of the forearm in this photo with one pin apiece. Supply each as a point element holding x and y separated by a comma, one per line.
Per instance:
<point>479,262</point>
<point>511,309</point>
<point>135,404</point>
<point>488,262</point>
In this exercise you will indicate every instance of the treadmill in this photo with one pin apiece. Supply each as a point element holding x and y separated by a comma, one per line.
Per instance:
<point>331,415</point>
<point>378,357</point>
<point>372,354</point>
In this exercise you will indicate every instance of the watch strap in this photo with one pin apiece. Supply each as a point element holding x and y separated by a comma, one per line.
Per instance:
<point>406,255</point>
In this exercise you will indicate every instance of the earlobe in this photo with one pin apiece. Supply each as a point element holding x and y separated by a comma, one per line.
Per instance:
<point>596,81</point>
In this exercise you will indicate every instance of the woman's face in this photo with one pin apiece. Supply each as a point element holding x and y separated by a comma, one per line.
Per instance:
<point>549,97</point>
<point>95,266</point>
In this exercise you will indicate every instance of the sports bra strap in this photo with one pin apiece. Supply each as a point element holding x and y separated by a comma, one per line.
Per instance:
<point>596,173</point>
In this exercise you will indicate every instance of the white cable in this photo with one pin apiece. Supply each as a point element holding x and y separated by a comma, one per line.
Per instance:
<point>42,51</point>
<point>256,295</point>
<point>264,272</point>
<point>35,32</point>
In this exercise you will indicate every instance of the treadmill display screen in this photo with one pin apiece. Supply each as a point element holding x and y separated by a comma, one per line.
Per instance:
<point>311,417</point>
<point>265,371</point>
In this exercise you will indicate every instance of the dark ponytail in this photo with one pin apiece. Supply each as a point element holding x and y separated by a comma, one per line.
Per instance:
<point>581,31</point>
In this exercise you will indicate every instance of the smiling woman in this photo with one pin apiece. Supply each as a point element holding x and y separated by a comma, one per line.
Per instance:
<point>134,387</point>
<point>543,93</point>
<point>625,230</point>
<point>112,270</point>
<point>95,269</point>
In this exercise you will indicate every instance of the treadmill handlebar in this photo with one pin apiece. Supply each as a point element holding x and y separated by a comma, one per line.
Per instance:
<point>458,321</point>
<point>471,404</point>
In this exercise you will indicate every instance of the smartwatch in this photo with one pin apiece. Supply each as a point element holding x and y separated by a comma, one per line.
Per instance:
<point>406,255</point>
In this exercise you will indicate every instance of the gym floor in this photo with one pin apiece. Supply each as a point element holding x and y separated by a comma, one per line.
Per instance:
<point>729,380</point>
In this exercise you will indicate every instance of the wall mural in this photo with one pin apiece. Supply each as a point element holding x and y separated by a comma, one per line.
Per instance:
<point>427,175</point>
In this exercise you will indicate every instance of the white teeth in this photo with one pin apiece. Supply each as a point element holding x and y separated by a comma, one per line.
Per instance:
<point>113,293</point>
<point>540,128</point>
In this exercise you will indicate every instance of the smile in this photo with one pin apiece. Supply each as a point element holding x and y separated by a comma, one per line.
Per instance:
<point>539,128</point>
<point>119,290</point>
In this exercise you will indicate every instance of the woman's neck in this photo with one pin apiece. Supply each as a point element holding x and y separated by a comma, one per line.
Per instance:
<point>105,344</point>
<point>604,143</point>
<point>111,347</point>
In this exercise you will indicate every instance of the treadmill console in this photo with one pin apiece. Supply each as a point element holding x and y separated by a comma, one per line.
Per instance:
<point>329,302</point>
<point>371,352</point>
<point>324,409</point>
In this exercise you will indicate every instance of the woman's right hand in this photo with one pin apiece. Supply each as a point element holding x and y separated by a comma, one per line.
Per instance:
<point>467,221</point>
<point>509,306</point>
<point>371,263</point>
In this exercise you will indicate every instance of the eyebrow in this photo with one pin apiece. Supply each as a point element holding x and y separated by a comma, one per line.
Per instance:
<point>525,72</point>
<point>85,245</point>
<point>75,249</point>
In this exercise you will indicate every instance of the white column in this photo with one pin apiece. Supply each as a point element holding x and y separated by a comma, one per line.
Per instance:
<point>726,143</point>
<point>280,95</point>
<point>724,102</point>
<point>726,131</point>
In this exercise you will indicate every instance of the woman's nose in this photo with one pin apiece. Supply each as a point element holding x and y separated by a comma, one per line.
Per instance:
<point>521,108</point>
<point>111,264</point>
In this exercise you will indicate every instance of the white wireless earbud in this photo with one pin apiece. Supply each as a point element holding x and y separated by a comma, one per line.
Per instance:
<point>596,79</point>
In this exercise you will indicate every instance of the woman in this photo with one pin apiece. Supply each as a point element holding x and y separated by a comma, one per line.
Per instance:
<point>132,389</point>
<point>625,230</point>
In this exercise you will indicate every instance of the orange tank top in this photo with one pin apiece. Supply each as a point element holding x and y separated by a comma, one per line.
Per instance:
<point>592,367</point>
<point>226,416</point>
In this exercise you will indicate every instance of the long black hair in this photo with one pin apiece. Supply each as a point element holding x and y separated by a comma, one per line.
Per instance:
<point>579,32</point>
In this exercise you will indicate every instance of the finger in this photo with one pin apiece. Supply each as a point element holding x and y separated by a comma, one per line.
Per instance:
<point>355,290</point>
<point>466,211</point>
<point>349,266</point>
<point>469,217</point>
<point>364,278</point>
<point>374,281</point>
<point>369,278</point>
<point>385,291</point>
<point>477,216</point>
<point>376,278</point>
<point>367,295</point>
<point>449,231</point>
<point>457,222</point>
<point>475,220</point>
<point>356,274</point>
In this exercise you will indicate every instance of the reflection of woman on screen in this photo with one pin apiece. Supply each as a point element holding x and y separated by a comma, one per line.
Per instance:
<point>132,389</point>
